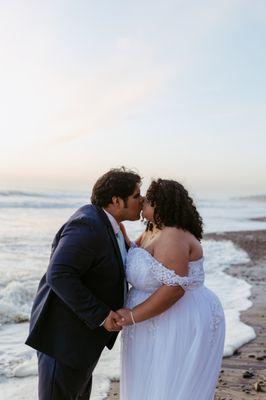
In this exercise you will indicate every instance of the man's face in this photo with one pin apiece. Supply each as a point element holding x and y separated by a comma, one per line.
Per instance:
<point>131,211</point>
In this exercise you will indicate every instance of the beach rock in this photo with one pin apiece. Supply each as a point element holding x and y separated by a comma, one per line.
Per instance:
<point>248,374</point>
<point>257,386</point>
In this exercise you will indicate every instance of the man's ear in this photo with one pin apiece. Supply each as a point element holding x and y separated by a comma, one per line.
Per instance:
<point>114,200</point>
<point>117,201</point>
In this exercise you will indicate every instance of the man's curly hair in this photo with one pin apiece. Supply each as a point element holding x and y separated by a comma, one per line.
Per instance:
<point>174,207</point>
<point>119,182</point>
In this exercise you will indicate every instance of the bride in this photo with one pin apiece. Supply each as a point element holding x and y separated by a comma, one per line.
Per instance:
<point>173,328</point>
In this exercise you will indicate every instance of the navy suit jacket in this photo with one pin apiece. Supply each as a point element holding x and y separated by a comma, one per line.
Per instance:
<point>83,283</point>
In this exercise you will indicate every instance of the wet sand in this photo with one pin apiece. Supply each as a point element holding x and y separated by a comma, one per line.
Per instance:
<point>243,375</point>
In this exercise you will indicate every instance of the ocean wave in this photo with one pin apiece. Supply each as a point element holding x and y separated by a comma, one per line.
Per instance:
<point>26,368</point>
<point>234,293</point>
<point>257,197</point>
<point>12,193</point>
<point>26,199</point>
<point>16,300</point>
<point>50,194</point>
<point>39,205</point>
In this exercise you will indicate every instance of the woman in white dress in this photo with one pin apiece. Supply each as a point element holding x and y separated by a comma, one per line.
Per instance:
<point>173,329</point>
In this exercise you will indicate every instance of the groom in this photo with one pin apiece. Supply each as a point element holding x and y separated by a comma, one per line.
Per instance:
<point>73,316</point>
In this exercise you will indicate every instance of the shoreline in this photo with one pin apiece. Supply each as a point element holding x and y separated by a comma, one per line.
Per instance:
<point>243,374</point>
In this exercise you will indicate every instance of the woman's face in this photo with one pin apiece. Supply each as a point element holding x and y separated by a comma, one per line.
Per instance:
<point>147,210</point>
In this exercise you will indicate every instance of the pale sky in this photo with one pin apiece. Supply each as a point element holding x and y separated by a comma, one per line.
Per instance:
<point>175,89</point>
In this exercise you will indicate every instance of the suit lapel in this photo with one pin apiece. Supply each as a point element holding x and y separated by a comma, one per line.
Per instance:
<point>116,247</point>
<point>112,238</point>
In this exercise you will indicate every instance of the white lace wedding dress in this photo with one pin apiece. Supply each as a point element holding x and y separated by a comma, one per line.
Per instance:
<point>176,355</point>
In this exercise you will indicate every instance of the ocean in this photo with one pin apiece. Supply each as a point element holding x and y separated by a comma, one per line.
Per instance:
<point>28,223</point>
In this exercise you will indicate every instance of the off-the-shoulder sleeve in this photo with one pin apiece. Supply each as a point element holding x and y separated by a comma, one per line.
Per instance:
<point>168,277</point>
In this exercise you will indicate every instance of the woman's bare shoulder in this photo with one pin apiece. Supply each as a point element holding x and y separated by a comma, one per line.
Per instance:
<point>172,244</point>
<point>178,244</point>
<point>173,233</point>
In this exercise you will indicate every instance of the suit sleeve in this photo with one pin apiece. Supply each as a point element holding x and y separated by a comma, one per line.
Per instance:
<point>72,258</point>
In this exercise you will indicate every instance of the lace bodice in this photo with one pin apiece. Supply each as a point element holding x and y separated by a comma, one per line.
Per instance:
<point>147,274</point>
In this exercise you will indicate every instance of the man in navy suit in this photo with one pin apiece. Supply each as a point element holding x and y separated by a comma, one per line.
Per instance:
<point>73,316</point>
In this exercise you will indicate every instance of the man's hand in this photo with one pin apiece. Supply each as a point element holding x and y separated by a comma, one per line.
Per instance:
<point>111,322</point>
<point>127,318</point>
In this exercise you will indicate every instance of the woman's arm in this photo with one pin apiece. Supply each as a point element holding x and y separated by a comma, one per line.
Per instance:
<point>157,303</point>
<point>174,254</point>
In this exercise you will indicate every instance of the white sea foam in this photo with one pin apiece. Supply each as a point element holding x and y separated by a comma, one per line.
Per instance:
<point>234,293</point>
<point>16,300</point>
<point>19,389</point>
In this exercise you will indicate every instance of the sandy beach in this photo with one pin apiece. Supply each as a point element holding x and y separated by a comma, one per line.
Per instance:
<point>243,375</point>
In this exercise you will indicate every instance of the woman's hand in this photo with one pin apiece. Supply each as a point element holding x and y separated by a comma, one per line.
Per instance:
<point>127,318</point>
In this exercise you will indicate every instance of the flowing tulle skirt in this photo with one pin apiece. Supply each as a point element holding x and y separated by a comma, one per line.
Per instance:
<point>176,355</point>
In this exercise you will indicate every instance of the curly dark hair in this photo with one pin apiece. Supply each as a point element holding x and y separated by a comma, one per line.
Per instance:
<point>174,207</point>
<point>116,182</point>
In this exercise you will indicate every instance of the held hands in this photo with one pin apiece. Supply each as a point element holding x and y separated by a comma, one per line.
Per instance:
<point>128,318</point>
<point>111,322</point>
<point>116,320</point>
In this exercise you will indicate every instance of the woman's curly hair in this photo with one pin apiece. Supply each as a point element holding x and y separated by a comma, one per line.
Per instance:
<point>174,207</point>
